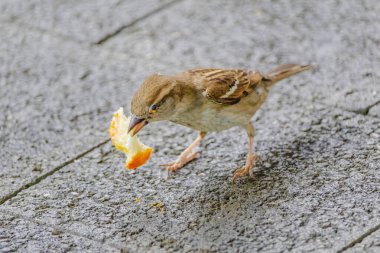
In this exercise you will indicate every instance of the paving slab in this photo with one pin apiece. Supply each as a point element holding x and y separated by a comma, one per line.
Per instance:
<point>20,235</point>
<point>342,43</point>
<point>56,101</point>
<point>83,20</point>
<point>316,189</point>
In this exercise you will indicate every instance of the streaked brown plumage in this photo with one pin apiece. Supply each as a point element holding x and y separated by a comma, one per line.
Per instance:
<point>207,100</point>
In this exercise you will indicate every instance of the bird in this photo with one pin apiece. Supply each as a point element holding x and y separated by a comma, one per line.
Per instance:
<point>207,100</point>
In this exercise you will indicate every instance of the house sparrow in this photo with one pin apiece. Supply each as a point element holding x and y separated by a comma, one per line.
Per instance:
<point>206,100</point>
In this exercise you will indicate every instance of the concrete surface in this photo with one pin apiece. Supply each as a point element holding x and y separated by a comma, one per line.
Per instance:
<point>26,236</point>
<point>86,21</point>
<point>66,66</point>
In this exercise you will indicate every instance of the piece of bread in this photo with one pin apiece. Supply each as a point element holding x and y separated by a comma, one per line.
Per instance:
<point>137,153</point>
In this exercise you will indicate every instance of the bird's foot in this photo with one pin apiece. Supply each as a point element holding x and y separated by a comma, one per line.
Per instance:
<point>242,172</point>
<point>246,170</point>
<point>181,162</point>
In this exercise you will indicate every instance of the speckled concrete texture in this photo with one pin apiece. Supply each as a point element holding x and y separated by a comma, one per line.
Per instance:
<point>65,66</point>
<point>20,234</point>
<point>87,21</point>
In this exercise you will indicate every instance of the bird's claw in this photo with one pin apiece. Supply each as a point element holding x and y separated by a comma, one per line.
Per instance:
<point>247,170</point>
<point>172,167</point>
<point>242,172</point>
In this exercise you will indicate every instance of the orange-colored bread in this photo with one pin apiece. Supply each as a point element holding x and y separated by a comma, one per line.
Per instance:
<point>137,153</point>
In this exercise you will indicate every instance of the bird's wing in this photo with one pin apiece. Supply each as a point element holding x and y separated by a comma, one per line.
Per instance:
<point>226,86</point>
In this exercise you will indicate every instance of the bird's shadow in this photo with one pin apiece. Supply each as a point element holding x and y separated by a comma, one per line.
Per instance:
<point>273,168</point>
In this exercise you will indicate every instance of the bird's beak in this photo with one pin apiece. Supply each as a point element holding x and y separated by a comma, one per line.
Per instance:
<point>136,124</point>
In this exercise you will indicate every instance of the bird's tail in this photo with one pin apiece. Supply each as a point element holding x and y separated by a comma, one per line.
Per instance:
<point>283,72</point>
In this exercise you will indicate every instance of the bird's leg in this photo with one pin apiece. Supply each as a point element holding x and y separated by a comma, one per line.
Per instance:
<point>251,157</point>
<point>187,155</point>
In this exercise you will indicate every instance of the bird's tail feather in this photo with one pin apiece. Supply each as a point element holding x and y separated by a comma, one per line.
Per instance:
<point>283,72</point>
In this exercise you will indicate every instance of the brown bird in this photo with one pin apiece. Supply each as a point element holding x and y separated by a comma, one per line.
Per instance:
<point>206,100</point>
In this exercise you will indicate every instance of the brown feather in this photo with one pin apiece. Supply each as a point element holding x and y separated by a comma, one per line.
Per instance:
<point>283,72</point>
<point>226,86</point>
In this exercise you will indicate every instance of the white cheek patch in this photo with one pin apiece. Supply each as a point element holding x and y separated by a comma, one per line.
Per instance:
<point>231,90</point>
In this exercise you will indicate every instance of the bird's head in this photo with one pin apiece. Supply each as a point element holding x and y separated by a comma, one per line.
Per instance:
<point>155,100</point>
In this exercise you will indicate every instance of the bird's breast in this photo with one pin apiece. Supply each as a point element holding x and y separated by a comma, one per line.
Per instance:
<point>207,116</point>
<point>212,118</point>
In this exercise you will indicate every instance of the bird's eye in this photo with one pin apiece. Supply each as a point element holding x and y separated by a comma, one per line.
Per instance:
<point>153,108</point>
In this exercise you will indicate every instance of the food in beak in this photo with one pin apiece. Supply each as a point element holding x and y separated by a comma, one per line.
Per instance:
<point>137,153</point>
<point>136,124</point>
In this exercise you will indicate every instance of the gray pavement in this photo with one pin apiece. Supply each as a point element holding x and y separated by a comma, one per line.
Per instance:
<point>29,236</point>
<point>87,21</point>
<point>65,66</point>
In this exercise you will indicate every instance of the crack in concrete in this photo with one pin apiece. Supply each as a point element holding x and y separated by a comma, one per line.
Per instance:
<point>132,23</point>
<point>120,248</point>
<point>359,111</point>
<point>359,239</point>
<point>88,46</point>
<point>49,173</point>
<point>89,43</point>
<point>364,111</point>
